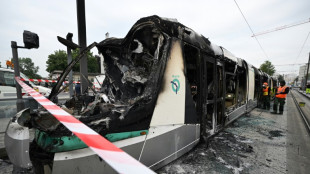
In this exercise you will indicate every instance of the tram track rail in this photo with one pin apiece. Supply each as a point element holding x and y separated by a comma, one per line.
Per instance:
<point>305,119</point>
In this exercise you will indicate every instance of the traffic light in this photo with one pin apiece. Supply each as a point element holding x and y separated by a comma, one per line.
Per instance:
<point>31,40</point>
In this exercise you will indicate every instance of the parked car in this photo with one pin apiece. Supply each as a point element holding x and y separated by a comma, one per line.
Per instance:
<point>8,85</point>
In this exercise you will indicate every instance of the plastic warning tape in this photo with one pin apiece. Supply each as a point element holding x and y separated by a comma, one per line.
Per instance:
<point>38,80</point>
<point>114,156</point>
<point>43,80</point>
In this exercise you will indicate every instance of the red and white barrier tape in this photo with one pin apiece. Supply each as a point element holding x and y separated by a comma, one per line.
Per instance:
<point>43,80</point>
<point>52,81</point>
<point>114,156</point>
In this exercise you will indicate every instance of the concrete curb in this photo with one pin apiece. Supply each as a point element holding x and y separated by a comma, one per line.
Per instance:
<point>301,92</point>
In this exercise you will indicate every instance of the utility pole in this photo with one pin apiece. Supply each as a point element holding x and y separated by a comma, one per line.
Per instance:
<point>307,72</point>
<point>80,6</point>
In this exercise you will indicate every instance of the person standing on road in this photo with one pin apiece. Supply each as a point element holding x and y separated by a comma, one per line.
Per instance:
<point>281,93</point>
<point>78,88</point>
<point>266,96</point>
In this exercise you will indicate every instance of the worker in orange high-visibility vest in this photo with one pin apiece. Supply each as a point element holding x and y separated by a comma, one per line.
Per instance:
<point>266,96</point>
<point>281,93</point>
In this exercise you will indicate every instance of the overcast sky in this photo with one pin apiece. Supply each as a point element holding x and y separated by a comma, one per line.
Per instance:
<point>218,20</point>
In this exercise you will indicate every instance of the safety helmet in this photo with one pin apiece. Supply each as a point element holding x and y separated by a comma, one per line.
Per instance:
<point>266,83</point>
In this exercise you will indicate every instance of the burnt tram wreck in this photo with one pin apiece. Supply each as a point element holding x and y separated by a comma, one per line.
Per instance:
<point>166,87</point>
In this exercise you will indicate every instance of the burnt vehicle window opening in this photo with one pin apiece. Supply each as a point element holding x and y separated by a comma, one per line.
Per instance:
<point>231,86</point>
<point>210,91</point>
<point>191,55</point>
<point>242,76</point>
<point>257,86</point>
<point>235,86</point>
<point>220,99</point>
<point>133,69</point>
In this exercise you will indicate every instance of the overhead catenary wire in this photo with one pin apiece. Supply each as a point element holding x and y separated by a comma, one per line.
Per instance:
<point>287,71</point>
<point>282,27</point>
<point>292,64</point>
<point>251,30</point>
<point>302,47</point>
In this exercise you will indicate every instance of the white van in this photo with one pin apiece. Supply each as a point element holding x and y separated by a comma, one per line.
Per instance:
<point>8,85</point>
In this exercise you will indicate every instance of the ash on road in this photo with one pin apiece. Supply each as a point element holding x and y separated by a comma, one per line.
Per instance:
<point>255,143</point>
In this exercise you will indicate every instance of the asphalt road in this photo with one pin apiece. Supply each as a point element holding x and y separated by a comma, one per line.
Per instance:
<point>253,144</point>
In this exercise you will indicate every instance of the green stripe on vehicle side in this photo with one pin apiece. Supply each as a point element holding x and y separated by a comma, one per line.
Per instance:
<point>68,143</point>
<point>124,135</point>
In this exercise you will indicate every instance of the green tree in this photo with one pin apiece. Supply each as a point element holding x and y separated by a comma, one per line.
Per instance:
<point>27,67</point>
<point>92,63</point>
<point>268,68</point>
<point>58,61</point>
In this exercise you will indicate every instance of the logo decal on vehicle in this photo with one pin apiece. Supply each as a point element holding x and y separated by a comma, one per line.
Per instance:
<point>175,84</point>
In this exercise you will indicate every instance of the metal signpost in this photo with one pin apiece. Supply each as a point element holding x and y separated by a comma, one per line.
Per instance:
<point>31,40</point>
<point>70,46</point>
<point>19,103</point>
<point>69,38</point>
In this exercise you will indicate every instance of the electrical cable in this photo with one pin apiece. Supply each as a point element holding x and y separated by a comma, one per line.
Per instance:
<point>294,64</point>
<point>251,30</point>
<point>302,47</point>
<point>282,27</point>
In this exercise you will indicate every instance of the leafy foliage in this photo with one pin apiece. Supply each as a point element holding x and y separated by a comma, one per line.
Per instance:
<point>268,68</point>
<point>27,67</point>
<point>58,61</point>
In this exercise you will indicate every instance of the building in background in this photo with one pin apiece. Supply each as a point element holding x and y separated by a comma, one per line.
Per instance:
<point>289,78</point>
<point>302,75</point>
